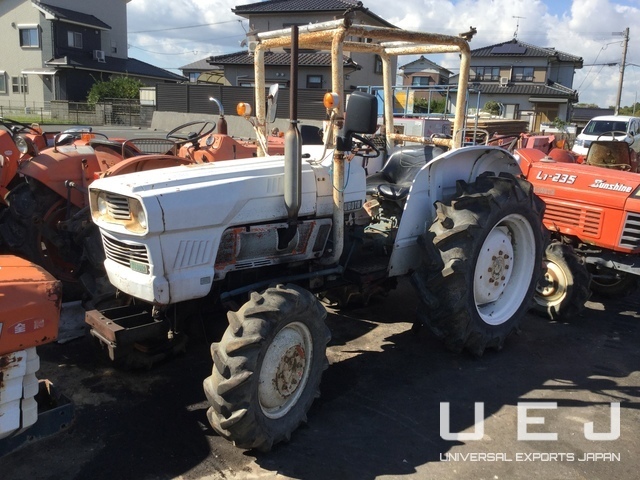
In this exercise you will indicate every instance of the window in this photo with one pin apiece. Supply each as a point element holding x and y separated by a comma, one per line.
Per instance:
<point>314,81</point>
<point>522,74</point>
<point>74,39</point>
<point>193,76</point>
<point>419,81</point>
<point>3,82</point>
<point>485,74</point>
<point>114,47</point>
<point>29,37</point>
<point>377,67</point>
<point>19,85</point>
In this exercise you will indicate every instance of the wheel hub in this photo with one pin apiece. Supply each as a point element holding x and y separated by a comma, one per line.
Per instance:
<point>284,370</point>
<point>553,285</point>
<point>495,266</point>
<point>290,370</point>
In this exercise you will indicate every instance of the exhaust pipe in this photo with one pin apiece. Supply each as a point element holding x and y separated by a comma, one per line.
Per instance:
<point>292,154</point>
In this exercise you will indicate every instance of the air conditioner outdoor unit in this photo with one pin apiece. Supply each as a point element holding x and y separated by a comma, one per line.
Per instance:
<point>504,81</point>
<point>99,55</point>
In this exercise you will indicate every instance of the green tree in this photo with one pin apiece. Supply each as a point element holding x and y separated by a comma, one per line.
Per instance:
<point>422,105</point>
<point>115,87</point>
<point>492,107</point>
<point>560,124</point>
<point>631,110</point>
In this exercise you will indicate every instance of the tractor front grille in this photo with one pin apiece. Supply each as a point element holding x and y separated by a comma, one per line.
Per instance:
<point>129,255</point>
<point>118,207</point>
<point>586,219</point>
<point>631,233</point>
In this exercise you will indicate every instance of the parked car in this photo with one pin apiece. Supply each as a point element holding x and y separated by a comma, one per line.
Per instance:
<point>619,127</point>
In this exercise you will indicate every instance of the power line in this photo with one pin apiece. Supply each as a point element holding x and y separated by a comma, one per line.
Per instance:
<point>186,26</point>
<point>195,52</point>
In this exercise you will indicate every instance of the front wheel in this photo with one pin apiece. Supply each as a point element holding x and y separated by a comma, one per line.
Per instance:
<point>267,367</point>
<point>564,288</point>
<point>482,259</point>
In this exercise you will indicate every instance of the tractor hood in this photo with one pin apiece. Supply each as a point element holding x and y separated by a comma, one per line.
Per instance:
<point>224,193</point>
<point>593,185</point>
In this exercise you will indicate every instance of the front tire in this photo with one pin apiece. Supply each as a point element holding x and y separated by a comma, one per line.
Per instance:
<point>564,288</point>
<point>267,367</point>
<point>482,259</point>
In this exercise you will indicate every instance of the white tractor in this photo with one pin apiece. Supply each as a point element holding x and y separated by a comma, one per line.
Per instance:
<point>274,234</point>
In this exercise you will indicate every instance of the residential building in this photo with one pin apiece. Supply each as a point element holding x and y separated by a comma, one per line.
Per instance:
<point>422,73</point>
<point>315,66</point>
<point>55,50</point>
<point>527,81</point>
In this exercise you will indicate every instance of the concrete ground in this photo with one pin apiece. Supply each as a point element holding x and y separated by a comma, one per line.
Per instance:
<point>379,415</point>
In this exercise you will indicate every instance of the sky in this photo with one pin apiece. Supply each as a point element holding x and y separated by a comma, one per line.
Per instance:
<point>174,33</point>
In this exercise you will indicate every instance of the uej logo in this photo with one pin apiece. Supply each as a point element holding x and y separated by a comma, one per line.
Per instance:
<point>524,419</point>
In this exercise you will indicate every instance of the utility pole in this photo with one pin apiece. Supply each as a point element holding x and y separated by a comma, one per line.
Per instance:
<point>624,61</point>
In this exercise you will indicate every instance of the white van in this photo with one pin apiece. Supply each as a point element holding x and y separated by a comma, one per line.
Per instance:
<point>599,126</point>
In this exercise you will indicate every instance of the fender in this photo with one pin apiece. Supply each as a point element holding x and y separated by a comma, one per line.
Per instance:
<point>437,181</point>
<point>145,162</point>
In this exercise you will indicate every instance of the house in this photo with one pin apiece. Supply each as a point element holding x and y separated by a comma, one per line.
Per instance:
<point>423,72</point>
<point>582,115</point>
<point>55,50</point>
<point>525,80</point>
<point>315,66</point>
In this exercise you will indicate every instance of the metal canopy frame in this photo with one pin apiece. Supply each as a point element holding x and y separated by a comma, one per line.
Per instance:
<point>337,36</point>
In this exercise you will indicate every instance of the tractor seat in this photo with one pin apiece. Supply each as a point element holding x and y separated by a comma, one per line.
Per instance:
<point>609,154</point>
<point>394,180</point>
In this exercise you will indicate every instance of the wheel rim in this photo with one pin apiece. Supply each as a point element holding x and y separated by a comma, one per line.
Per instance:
<point>285,370</point>
<point>504,269</point>
<point>552,289</point>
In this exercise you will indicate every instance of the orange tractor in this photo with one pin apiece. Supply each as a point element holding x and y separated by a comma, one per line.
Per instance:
<point>593,215</point>
<point>44,190</point>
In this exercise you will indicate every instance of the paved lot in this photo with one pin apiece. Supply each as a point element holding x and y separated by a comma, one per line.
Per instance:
<point>379,413</point>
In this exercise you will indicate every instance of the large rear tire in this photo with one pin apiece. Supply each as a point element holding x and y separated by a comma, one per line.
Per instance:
<point>30,229</point>
<point>267,367</point>
<point>482,260</point>
<point>563,290</point>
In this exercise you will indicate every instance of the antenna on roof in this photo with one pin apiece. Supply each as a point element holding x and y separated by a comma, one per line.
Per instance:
<point>515,34</point>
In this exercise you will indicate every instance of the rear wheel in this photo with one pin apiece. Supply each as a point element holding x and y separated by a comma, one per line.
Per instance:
<point>482,260</point>
<point>564,287</point>
<point>30,228</point>
<point>267,367</point>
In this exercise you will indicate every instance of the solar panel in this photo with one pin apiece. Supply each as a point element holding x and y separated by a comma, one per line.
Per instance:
<point>509,49</point>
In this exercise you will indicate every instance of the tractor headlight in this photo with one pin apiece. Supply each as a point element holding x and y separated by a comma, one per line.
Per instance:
<point>137,215</point>
<point>101,204</point>
<point>21,143</point>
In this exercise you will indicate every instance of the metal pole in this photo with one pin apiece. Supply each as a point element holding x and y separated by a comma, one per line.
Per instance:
<point>624,60</point>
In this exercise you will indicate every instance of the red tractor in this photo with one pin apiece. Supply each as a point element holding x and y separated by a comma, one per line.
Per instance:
<point>593,215</point>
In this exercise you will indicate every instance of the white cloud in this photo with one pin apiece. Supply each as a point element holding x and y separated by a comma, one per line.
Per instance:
<point>580,27</point>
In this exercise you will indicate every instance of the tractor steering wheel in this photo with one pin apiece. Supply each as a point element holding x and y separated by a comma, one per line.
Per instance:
<point>16,127</point>
<point>206,128</point>
<point>613,134</point>
<point>361,152</point>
